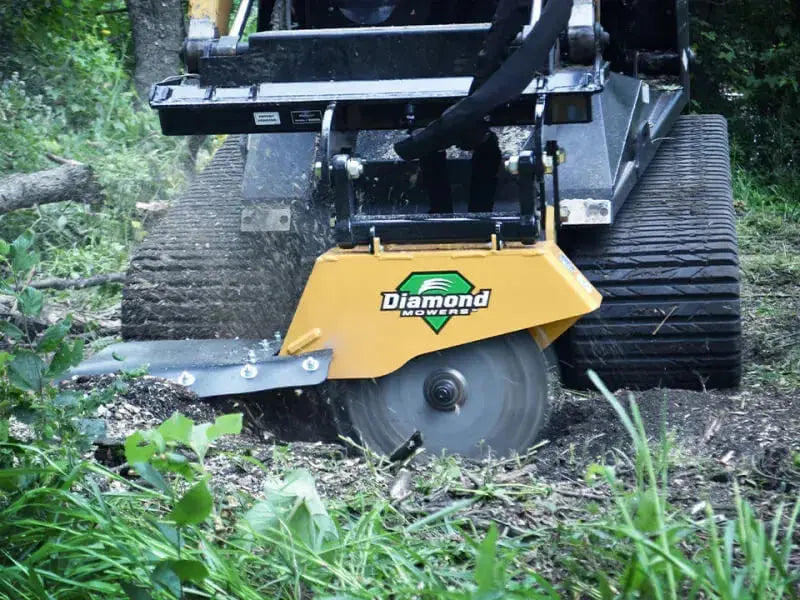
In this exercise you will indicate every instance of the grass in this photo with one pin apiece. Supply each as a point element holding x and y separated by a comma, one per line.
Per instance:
<point>87,532</point>
<point>769,238</point>
<point>71,528</point>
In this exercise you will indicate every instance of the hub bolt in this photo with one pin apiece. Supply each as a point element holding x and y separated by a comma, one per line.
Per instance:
<point>445,390</point>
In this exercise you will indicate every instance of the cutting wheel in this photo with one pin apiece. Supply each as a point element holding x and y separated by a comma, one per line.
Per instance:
<point>485,397</point>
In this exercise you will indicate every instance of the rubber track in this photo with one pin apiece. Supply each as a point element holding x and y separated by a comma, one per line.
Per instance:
<point>668,270</point>
<point>197,276</point>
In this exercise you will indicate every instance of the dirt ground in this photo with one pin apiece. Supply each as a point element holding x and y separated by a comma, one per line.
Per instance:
<point>749,437</point>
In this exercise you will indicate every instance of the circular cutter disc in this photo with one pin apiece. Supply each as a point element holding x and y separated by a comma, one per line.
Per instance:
<point>487,396</point>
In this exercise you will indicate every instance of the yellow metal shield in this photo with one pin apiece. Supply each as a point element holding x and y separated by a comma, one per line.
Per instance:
<point>377,311</point>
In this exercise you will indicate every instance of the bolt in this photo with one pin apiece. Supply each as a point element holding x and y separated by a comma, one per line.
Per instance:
<point>512,164</point>
<point>547,162</point>
<point>310,364</point>
<point>185,379</point>
<point>318,169</point>
<point>249,371</point>
<point>355,168</point>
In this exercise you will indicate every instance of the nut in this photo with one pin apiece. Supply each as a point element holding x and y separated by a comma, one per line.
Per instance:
<point>355,168</point>
<point>512,164</point>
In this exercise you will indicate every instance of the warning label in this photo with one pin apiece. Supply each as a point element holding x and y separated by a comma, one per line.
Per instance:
<point>306,117</point>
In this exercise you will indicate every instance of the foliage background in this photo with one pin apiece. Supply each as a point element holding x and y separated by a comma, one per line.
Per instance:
<point>749,70</point>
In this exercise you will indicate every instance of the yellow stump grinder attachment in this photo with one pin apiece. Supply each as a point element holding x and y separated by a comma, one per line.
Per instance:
<point>406,189</point>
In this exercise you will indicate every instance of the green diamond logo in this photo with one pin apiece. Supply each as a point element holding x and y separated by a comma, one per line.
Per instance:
<point>435,297</point>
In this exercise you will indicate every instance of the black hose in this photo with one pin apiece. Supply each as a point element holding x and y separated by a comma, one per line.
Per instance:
<point>505,85</point>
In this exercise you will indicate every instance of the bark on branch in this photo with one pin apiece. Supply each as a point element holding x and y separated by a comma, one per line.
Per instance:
<point>106,323</point>
<point>57,283</point>
<point>68,183</point>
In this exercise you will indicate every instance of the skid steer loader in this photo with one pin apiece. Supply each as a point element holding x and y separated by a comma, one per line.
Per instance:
<point>418,200</point>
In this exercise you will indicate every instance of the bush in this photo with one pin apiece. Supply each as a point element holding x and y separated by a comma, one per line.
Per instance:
<point>749,70</point>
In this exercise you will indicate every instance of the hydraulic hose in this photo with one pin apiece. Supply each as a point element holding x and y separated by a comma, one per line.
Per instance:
<point>505,85</point>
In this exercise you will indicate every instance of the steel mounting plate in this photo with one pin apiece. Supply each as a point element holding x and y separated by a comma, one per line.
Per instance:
<point>213,367</point>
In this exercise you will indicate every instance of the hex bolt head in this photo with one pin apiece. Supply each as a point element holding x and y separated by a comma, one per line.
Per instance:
<point>512,164</point>
<point>249,371</point>
<point>185,379</point>
<point>310,364</point>
<point>355,168</point>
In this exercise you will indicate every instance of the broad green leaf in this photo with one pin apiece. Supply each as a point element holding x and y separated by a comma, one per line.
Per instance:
<point>26,371</point>
<point>11,331</point>
<point>135,592</point>
<point>177,428</point>
<point>194,507</point>
<point>141,445</point>
<point>5,248</point>
<point>189,570</point>
<point>296,504</point>
<point>92,429</point>
<point>5,358</point>
<point>23,242</point>
<point>225,425</point>
<point>30,302</point>
<point>66,399</point>
<point>66,356</point>
<point>199,441</point>
<point>147,472</point>
<point>171,534</point>
<point>53,336</point>
<point>166,579</point>
<point>202,435</point>
<point>22,258</point>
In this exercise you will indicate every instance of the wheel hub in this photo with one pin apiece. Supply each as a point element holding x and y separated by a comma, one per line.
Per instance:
<point>445,389</point>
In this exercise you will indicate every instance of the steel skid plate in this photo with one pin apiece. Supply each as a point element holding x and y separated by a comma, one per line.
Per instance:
<point>212,367</point>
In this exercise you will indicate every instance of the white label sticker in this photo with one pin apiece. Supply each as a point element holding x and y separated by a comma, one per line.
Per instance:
<point>267,118</point>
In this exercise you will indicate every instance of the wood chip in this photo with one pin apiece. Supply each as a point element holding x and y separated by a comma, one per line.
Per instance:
<point>401,486</point>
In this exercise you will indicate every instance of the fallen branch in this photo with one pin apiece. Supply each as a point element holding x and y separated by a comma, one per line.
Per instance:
<point>67,183</point>
<point>60,160</point>
<point>57,283</point>
<point>100,324</point>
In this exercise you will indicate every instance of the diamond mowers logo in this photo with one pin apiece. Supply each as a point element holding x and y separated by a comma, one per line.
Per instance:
<point>436,297</point>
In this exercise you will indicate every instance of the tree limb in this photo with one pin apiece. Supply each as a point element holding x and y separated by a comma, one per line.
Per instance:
<point>106,323</point>
<point>57,283</point>
<point>68,183</point>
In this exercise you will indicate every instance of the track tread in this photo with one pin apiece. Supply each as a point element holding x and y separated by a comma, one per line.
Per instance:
<point>668,270</point>
<point>198,276</point>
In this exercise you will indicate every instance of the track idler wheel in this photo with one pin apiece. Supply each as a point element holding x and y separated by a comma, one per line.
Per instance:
<point>487,397</point>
